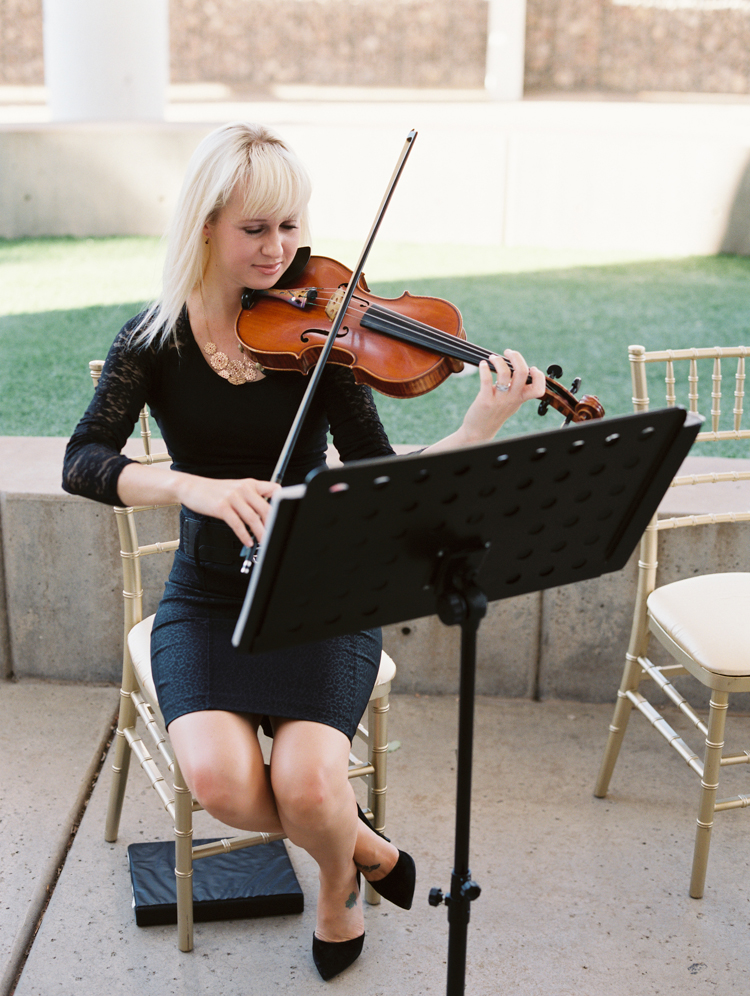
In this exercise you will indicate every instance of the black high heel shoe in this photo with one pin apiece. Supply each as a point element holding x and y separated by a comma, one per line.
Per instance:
<point>398,885</point>
<point>332,957</point>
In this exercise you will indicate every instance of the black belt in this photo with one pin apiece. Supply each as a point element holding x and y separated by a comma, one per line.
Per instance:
<point>209,542</point>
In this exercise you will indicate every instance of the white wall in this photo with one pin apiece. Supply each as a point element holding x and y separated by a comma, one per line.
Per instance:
<point>106,59</point>
<point>664,178</point>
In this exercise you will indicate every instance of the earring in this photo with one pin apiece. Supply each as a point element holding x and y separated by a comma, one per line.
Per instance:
<point>206,243</point>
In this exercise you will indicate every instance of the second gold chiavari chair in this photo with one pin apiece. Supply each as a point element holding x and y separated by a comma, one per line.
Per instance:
<point>701,620</point>
<point>139,707</point>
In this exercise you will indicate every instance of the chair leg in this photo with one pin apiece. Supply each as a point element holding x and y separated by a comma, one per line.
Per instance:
<point>120,768</point>
<point>377,783</point>
<point>709,785</point>
<point>637,646</point>
<point>183,833</point>
<point>623,708</point>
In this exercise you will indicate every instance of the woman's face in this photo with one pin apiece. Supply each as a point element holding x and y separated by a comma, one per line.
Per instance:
<point>250,252</point>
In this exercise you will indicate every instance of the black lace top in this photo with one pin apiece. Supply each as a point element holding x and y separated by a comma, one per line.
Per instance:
<point>210,427</point>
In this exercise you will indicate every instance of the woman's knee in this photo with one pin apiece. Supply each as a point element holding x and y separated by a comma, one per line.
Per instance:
<point>222,765</point>
<point>303,794</point>
<point>209,788</point>
<point>309,786</point>
<point>240,796</point>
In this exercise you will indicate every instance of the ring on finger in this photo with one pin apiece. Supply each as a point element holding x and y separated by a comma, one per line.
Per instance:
<point>502,387</point>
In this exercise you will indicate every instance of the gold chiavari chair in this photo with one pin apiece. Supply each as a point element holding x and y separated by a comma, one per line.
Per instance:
<point>699,620</point>
<point>139,707</point>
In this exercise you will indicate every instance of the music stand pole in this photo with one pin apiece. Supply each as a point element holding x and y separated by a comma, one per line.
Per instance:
<point>465,605</point>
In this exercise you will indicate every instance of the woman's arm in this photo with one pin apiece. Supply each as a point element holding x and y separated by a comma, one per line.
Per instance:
<point>93,457</point>
<point>358,433</point>
<point>242,504</point>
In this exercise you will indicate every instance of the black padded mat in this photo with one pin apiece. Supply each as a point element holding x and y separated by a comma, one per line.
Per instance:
<point>252,882</point>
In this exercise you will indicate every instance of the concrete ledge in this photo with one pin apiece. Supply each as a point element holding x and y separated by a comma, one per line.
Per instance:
<point>92,180</point>
<point>61,571</point>
<point>62,602</point>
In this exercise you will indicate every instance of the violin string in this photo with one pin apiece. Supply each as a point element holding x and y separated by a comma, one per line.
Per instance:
<point>423,335</point>
<point>417,333</point>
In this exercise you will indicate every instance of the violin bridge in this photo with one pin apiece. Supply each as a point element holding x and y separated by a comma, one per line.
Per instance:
<point>300,298</point>
<point>335,302</point>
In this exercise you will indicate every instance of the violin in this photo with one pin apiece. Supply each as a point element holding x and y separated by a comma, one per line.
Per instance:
<point>402,347</point>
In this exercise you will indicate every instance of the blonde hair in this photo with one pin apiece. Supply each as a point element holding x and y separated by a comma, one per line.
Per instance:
<point>274,182</point>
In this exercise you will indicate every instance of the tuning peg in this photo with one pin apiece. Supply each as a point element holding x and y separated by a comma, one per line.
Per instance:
<point>554,371</point>
<point>543,406</point>
<point>575,385</point>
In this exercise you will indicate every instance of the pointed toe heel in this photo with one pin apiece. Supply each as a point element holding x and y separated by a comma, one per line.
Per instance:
<point>398,885</point>
<point>333,957</point>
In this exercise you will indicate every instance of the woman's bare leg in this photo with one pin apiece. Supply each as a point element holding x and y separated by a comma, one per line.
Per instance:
<point>316,807</point>
<point>308,774</point>
<point>307,795</point>
<point>222,763</point>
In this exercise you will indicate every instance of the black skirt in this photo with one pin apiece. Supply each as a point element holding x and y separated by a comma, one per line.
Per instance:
<point>196,668</point>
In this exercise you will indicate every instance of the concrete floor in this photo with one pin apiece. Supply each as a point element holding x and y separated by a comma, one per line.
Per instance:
<point>580,897</point>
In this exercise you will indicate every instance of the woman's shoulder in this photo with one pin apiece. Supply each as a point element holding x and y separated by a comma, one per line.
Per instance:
<point>127,337</point>
<point>135,338</point>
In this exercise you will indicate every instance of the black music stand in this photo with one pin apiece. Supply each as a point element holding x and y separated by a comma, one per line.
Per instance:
<point>381,541</point>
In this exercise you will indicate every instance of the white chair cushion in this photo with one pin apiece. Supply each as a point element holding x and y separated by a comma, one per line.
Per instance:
<point>139,645</point>
<point>387,670</point>
<point>707,617</point>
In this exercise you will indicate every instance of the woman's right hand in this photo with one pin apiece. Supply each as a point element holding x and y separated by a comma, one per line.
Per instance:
<point>242,504</point>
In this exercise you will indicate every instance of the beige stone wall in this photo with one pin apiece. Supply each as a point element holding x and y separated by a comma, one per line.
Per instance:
<point>597,45</point>
<point>21,48</point>
<point>572,45</point>
<point>253,44</point>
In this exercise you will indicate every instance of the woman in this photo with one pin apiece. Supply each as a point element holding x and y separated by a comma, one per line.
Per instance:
<point>240,221</point>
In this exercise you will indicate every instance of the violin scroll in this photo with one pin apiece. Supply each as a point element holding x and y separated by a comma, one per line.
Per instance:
<point>564,401</point>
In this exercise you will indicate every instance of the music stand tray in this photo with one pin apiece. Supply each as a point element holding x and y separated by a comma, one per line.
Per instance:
<point>380,541</point>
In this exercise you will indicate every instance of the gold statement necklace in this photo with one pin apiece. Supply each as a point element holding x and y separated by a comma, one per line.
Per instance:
<point>240,371</point>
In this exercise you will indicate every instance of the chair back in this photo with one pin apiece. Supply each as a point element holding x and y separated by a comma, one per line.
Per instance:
<point>691,363</point>
<point>684,372</point>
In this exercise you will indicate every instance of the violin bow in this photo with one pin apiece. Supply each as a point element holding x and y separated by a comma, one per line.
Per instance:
<point>248,553</point>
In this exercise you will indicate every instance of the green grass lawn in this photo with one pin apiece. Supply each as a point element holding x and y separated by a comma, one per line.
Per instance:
<point>63,300</point>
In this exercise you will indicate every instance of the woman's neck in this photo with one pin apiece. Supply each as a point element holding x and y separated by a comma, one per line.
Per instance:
<point>213,316</point>
<point>222,301</point>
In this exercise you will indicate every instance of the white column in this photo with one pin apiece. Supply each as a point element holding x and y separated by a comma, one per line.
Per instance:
<point>106,59</point>
<point>506,45</point>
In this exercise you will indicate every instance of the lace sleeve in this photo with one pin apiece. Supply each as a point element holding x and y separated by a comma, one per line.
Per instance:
<point>93,459</point>
<point>357,431</point>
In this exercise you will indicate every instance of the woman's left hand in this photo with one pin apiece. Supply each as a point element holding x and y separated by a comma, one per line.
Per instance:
<point>500,395</point>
